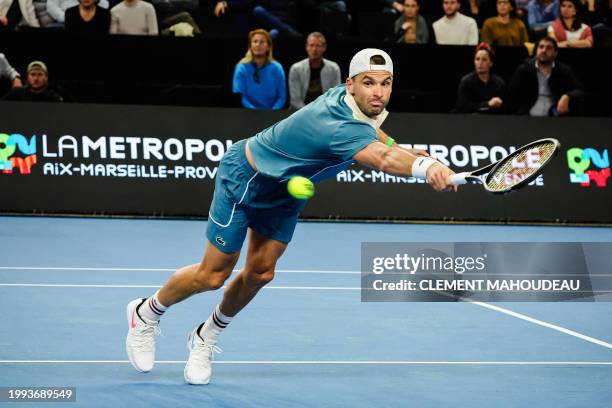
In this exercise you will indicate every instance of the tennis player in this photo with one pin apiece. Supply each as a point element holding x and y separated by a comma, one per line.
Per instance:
<point>339,128</point>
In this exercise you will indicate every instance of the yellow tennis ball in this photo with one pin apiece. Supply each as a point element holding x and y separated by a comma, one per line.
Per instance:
<point>300,187</point>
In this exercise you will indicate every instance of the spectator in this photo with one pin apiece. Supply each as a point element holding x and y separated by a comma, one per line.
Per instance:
<point>481,91</point>
<point>411,27</point>
<point>10,73</point>
<point>314,75</point>
<point>505,29</point>
<point>278,16</point>
<point>455,28</point>
<point>540,13</point>
<point>37,88</point>
<point>14,13</point>
<point>569,30</point>
<point>258,78</point>
<point>135,17</point>
<point>87,18</point>
<point>57,8</point>
<point>542,86</point>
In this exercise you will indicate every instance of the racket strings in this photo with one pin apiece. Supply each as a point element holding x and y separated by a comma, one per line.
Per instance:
<point>520,165</point>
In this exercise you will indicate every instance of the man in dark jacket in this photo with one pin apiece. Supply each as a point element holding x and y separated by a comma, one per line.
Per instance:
<point>542,86</point>
<point>37,87</point>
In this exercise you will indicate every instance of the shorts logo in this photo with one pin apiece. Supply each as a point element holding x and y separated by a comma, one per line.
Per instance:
<point>588,165</point>
<point>220,241</point>
<point>17,143</point>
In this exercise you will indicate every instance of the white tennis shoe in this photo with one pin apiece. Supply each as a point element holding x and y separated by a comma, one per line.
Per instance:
<point>140,340</point>
<point>199,365</point>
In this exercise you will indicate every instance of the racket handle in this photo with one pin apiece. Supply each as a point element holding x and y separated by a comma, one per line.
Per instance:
<point>459,178</point>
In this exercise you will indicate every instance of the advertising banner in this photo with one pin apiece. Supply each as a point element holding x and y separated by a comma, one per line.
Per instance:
<point>162,161</point>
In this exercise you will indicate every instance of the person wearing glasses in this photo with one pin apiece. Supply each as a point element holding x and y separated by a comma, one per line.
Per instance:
<point>504,29</point>
<point>258,78</point>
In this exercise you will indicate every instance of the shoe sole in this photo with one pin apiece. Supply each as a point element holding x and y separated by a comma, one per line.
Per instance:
<point>127,349</point>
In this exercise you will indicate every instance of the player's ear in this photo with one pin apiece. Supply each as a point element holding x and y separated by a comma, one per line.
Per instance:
<point>349,86</point>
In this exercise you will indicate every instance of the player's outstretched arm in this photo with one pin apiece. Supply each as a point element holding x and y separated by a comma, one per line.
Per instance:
<point>400,162</point>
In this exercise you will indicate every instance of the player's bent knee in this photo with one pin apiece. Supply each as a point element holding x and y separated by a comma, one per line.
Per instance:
<point>209,281</point>
<point>261,278</point>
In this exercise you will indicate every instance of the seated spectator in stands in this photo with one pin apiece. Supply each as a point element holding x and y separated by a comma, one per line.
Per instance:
<point>10,73</point>
<point>540,13</point>
<point>258,78</point>
<point>505,29</point>
<point>57,8</point>
<point>136,17</point>
<point>569,30</point>
<point>411,27</point>
<point>277,16</point>
<point>14,13</point>
<point>314,75</point>
<point>542,86</point>
<point>87,18</point>
<point>37,87</point>
<point>481,91</point>
<point>455,28</point>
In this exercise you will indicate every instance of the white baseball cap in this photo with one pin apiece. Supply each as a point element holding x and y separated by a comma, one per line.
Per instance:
<point>361,62</point>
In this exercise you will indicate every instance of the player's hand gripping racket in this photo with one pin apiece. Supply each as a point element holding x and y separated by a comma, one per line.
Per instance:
<point>513,171</point>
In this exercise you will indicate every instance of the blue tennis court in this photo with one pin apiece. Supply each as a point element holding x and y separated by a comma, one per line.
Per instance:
<point>307,340</point>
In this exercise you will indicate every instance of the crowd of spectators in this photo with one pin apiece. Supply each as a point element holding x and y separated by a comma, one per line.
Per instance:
<point>463,22</point>
<point>540,86</point>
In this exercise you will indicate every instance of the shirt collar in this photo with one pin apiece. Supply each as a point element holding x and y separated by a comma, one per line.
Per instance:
<point>538,67</point>
<point>359,115</point>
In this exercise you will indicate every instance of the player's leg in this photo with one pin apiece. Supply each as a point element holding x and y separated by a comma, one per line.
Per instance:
<point>271,230</point>
<point>209,274</point>
<point>262,255</point>
<point>144,314</point>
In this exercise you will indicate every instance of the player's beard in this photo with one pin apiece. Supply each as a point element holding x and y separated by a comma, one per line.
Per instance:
<point>370,112</point>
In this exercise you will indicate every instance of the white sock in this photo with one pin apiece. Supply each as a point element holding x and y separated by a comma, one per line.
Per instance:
<point>151,310</point>
<point>215,324</point>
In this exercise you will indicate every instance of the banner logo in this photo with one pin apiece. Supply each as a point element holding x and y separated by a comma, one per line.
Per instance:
<point>17,153</point>
<point>588,165</point>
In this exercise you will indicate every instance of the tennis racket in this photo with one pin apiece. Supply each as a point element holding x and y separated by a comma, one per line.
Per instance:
<point>513,171</point>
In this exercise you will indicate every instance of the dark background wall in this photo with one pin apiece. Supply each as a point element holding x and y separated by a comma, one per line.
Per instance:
<point>55,186</point>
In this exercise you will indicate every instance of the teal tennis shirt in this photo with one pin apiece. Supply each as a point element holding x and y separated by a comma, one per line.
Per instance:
<point>318,141</point>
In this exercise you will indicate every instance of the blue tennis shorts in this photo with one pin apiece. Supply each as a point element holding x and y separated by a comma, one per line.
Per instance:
<point>244,198</point>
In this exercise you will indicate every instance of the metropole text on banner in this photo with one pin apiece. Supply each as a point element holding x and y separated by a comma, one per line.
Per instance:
<point>486,271</point>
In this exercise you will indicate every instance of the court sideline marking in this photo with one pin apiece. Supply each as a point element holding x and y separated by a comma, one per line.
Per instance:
<point>326,362</point>
<point>306,271</point>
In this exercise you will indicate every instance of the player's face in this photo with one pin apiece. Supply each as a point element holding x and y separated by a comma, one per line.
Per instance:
<point>259,45</point>
<point>37,79</point>
<point>450,7</point>
<point>482,62</point>
<point>411,8</point>
<point>371,91</point>
<point>315,48</point>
